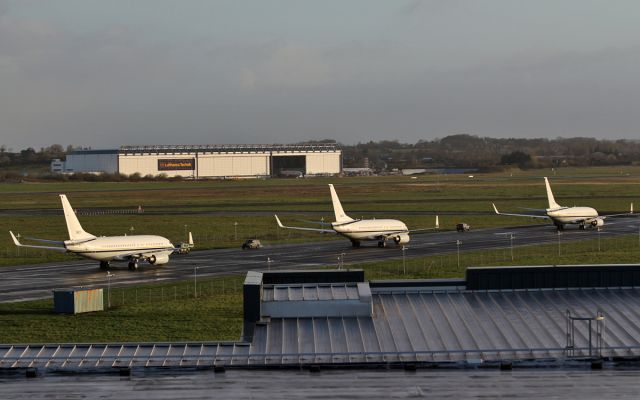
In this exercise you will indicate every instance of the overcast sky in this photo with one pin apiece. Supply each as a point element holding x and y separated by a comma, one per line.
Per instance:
<point>105,73</point>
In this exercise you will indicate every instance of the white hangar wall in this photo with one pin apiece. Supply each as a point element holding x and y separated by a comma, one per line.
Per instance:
<point>213,161</point>
<point>323,163</point>
<point>221,165</point>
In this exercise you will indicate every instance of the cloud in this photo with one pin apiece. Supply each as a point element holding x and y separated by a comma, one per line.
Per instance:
<point>288,66</point>
<point>4,7</point>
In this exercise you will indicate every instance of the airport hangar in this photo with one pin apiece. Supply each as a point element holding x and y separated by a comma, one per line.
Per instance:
<point>209,161</point>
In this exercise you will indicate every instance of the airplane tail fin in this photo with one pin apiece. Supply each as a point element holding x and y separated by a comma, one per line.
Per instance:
<point>76,233</point>
<point>552,200</point>
<point>437,222</point>
<point>337,207</point>
<point>190,239</point>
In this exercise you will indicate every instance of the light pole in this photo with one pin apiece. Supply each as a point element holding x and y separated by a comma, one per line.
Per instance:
<point>341,260</point>
<point>195,282</point>
<point>458,243</point>
<point>511,244</point>
<point>109,276</point>
<point>235,231</point>
<point>511,236</point>
<point>559,243</point>
<point>269,261</point>
<point>599,239</point>
<point>404,265</point>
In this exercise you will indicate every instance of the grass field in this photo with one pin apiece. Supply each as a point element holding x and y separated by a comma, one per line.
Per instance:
<point>211,209</point>
<point>171,312</point>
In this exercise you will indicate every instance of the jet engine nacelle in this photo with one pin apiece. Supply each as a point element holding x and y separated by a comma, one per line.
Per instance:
<point>597,222</point>
<point>158,259</point>
<point>402,238</point>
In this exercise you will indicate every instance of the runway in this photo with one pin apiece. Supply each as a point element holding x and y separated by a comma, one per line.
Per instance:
<point>30,282</point>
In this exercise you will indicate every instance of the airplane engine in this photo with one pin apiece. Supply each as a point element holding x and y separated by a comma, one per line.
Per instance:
<point>597,222</point>
<point>402,238</point>
<point>158,259</point>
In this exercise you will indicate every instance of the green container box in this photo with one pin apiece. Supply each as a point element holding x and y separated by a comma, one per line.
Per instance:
<point>77,300</point>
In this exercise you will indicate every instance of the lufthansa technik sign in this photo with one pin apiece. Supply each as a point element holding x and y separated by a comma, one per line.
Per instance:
<point>177,164</point>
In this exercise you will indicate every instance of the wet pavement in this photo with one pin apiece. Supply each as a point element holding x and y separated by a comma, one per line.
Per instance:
<point>528,383</point>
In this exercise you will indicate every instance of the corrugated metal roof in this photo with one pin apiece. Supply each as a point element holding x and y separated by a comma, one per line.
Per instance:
<point>445,326</point>
<point>405,327</point>
<point>231,148</point>
<point>311,292</point>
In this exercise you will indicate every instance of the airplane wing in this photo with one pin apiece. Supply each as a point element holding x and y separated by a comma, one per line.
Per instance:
<point>304,229</point>
<point>520,215</point>
<point>422,230</point>
<point>317,222</point>
<point>58,242</point>
<point>17,243</point>
<point>627,214</point>
<point>533,209</point>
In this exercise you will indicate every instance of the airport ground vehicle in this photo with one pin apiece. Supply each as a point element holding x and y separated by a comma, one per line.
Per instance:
<point>462,227</point>
<point>251,244</point>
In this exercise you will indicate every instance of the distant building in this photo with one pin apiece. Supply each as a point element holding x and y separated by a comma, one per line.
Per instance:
<point>57,166</point>
<point>413,171</point>
<point>357,171</point>
<point>208,161</point>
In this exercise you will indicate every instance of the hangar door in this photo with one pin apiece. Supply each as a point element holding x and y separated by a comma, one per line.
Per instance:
<point>288,165</point>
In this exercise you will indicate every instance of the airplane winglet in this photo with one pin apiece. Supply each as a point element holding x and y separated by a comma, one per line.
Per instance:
<point>278,220</point>
<point>15,240</point>
<point>437,222</point>
<point>495,208</point>
<point>631,210</point>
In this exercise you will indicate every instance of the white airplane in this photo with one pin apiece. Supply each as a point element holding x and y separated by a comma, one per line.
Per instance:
<point>561,216</point>
<point>357,230</point>
<point>152,248</point>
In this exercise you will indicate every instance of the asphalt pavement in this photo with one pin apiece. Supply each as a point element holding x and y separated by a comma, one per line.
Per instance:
<point>29,282</point>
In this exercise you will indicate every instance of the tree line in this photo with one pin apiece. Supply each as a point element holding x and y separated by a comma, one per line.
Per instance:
<point>455,151</point>
<point>484,153</point>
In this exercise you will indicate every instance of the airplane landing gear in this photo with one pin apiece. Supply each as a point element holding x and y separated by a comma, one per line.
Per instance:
<point>133,265</point>
<point>382,243</point>
<point>560,227</point>
<point>355,243</point>
<point>104,265</point>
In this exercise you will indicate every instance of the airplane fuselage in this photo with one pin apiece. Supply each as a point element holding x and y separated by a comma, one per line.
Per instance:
<point>573,215</point>
<point>372,229</point>
<point>109,248</point>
